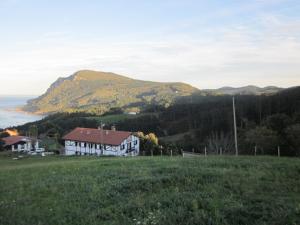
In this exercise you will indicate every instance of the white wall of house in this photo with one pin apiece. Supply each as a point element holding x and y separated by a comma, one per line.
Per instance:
<point>26,146</point>
<point>129,147</point>
<point>22,147</point>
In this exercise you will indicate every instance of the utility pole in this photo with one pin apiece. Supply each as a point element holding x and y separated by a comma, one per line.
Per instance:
<point>235,130</point>
<point>101,132</point>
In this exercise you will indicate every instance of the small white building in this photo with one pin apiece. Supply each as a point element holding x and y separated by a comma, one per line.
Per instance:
<point>21,144</point>
<point>87,141</point>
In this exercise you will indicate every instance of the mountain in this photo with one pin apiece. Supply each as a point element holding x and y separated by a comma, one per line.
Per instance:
<point>247,90</point>
<point>97,92</point>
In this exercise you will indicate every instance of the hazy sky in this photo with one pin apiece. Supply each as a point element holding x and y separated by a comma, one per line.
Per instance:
<point>208,44</point>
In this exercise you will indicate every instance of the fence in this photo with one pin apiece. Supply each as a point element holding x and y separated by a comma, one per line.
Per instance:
<point>191,154</point>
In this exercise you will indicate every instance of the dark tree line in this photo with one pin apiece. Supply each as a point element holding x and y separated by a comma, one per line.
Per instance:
<point>264,123</point>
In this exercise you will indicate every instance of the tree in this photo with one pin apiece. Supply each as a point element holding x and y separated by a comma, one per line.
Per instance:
<point>114,111</point>
<point>263,138</point>
<point>152,138</point>
<point>278,122</point>
<point>216,141</point>
<point>4,134</point>
<point>293,137</point>
<point>33,131</point>
<point>1,144</point>
<point>148,143</point>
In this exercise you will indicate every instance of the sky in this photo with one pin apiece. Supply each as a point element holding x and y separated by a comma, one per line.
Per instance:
<point>208,44</point>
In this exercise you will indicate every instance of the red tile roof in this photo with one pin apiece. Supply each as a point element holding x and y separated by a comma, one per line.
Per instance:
<point>98,136</point>
<point>14,140</point>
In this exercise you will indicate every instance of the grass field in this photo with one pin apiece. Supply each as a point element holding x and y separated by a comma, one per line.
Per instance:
<point>145,190</point>
<point>112,118</point>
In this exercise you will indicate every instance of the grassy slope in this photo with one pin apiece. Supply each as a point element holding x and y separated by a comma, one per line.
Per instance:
<point>114,118</point>
<point>90,91</point>
<point>213,190</point>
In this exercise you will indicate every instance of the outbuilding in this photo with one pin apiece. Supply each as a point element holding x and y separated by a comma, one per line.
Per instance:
<point>21,144</point>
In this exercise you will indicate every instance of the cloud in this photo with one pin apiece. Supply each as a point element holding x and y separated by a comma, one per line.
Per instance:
<point>266,52</point>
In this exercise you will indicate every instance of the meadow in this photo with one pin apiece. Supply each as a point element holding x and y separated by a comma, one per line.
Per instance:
<point>110,119</point>
<point>214,190</point>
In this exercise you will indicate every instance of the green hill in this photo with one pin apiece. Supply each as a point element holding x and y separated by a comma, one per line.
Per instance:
<point>149,190</point>
<point>246,90</point>
<point>97,92</point>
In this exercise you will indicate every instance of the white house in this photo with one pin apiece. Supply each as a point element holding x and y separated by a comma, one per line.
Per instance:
<point>21,144</point>
<point>87,141</point>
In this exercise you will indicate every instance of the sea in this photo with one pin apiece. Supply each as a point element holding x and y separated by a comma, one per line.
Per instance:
<point>9,116</point>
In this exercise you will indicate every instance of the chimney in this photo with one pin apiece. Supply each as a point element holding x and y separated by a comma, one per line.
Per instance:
<point>113,128</point>
<point>101,126</point>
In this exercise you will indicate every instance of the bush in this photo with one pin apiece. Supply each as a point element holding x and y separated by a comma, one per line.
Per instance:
<point>293,137</point>
<point>1,145</point>
<point>4,134</point>
<point>264,139</point>
<point>148,143</point>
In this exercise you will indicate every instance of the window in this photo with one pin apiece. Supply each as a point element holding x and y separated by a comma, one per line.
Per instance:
<point>135,142</point>
<point>122,147</point>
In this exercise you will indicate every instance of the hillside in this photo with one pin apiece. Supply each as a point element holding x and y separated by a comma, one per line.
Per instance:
<point>246,90</point>
<point>149,190</point>
<point>99,91</point>
<point>198,121</point>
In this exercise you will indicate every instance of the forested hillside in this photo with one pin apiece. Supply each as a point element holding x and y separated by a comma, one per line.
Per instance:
<point>196,121</point>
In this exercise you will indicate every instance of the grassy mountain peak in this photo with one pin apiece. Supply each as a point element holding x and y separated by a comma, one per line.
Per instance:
<point>97,92</point>
<point>97,75</point>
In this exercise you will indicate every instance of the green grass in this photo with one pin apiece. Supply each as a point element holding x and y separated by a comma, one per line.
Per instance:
<point>145,190</point>
<point>112,118</point>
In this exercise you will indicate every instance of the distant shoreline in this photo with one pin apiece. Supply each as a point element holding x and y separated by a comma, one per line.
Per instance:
<point>20,110</point>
